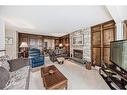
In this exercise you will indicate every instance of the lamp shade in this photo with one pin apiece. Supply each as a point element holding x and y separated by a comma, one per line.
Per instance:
<point>60,45</point>
<point>24,44</point>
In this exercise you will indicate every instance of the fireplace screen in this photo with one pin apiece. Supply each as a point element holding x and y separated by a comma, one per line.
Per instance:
<point>78,53</point>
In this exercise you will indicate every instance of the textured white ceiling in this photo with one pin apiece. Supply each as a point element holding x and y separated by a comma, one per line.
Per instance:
<point>119,13</point>
<point>52,20</point>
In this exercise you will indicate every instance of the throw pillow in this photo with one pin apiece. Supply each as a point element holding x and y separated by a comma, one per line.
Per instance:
<point>4,77</point>
<point>4,62</point>
<point>16,64</point>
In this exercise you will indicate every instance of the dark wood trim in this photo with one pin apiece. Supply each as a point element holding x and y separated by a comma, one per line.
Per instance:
<point>108,22</point>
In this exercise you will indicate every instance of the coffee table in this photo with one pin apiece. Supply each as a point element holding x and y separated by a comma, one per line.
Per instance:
<point>53,78</point>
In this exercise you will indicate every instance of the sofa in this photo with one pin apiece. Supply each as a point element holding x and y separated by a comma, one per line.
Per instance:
<point>54,54</point>
<point>36,57</point>
<point>14,73</point>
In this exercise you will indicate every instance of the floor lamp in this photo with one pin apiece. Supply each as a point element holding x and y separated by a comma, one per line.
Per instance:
<point>24,45</point>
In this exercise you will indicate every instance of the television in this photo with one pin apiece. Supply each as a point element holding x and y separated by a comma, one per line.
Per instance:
<point>118,53</point>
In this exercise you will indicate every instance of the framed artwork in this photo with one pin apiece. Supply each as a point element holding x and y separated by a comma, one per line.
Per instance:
<point>9,40</point>
<point>77,40</point>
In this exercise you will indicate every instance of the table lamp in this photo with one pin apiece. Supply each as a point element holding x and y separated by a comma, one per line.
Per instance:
<point>24,45</point>
<point>61,45</point>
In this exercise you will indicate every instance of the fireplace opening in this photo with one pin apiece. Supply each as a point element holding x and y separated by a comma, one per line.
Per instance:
<point>78,53</point>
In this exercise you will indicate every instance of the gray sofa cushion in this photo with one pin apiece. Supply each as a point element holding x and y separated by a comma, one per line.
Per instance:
<point>4,77</point>
<point>16,64</point>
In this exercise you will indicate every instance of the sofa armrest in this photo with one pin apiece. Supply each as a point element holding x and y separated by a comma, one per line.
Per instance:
<point>18,63</point>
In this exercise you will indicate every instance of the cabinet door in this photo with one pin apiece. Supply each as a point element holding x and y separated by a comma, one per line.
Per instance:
<point>106,55</point>
<point>96,56</point>
<point>96,39</point>
<point>108,36</point>
<point>96,45</point>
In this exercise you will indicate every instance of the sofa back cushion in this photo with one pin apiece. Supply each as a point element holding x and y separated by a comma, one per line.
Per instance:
<point>34,52</point>
<point>4,77</point>
<point>56,51</point>
<point>61,51</point>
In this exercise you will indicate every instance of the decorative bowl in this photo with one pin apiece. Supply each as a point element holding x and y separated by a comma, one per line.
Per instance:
<point>51,71</point>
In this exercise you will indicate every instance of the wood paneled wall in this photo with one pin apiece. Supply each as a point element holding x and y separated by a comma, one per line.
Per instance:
<point>37,40</point>
<point>101,35</point>
<point>33,40</point>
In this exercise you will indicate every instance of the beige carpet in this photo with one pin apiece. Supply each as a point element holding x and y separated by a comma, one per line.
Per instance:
<point>79,78</point>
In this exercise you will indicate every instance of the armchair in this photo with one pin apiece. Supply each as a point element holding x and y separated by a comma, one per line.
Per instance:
<point>36,58</point>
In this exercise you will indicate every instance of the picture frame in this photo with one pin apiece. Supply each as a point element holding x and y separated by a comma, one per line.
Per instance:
<point>9,40</point>
<point>77,40</point>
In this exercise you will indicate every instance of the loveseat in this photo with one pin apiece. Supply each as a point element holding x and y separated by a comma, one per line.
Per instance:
<point>54,54</point>
<point>14,74</point>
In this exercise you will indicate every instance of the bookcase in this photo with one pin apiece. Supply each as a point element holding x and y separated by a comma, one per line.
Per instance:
<point>65,41</point>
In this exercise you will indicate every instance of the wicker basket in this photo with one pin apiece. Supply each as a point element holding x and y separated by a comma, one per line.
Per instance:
<point>88,66</point>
